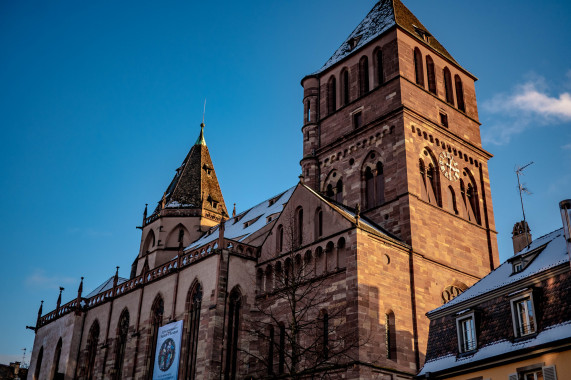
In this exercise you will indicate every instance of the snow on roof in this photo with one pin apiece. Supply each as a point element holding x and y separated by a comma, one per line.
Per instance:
<point>379,20</point>
<point>554,254</point>
<point>246,223</point>
<point>105,286</point>
<point>550,334</point>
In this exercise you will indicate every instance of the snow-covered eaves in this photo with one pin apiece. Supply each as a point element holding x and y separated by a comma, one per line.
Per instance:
<point>549,336</point>
<point>553,255</point>
<point>248,222</point>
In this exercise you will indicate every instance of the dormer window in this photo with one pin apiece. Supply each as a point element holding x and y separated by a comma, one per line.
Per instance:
<point>353,41</point>
<point>523,315</point>
<point>251,221</point>
<point>213,203</point>
<point>522,261</point>
<point>518,267</point>
<point>466,327</point>
<point>207,169</point>
<point>423,34</point>
<point>272,201</point>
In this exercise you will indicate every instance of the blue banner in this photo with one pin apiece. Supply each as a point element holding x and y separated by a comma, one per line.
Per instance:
<point>167,354</point>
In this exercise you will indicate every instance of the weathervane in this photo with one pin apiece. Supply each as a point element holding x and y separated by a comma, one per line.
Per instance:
<point>522,188</point>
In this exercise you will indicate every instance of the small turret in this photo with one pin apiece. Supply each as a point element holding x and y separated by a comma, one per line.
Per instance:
<point>521,236</point>
<point>39,315</point>
<point>310,130</point>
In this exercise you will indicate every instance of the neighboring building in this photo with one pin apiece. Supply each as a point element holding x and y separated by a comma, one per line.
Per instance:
<point>515,323</point>
<point>12,371</point>
<point>391,218</point>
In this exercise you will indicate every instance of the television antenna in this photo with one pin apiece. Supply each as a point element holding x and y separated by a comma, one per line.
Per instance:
<point>521,186</point>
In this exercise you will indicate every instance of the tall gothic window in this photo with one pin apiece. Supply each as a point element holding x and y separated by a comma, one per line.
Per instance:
<point>430,181</point>
<point>57,356</point>
<point>39,364</point>
<point>325,333</point>
<point>281,356</point>
<point>193,325</point>
<point>452,200</point>
<point>345,86</point>
<point>380,71</point>
<point>459,94</point>
<point>121,345</point>
<point>318,222</point>
<point>232,335</point>
<point>157,312</point>
<point>331,95</point>
<point>374,185</point>
<point>271,351</point>
<point>92,341</point>
<point>390,335</point>
<point>339,191</point>
<point>364,75</point>
<point>430,74</point>
<point>448,86</point>
<point>280,238</point>
<point>299,226</point>
<point>418,70</point>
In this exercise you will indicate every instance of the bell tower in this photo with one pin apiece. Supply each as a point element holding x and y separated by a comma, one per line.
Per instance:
<point>391,124</point>
<point>192,203</point>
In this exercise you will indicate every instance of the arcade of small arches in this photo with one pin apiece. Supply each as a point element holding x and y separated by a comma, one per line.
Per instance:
<point>178,237</point>
<point>310,264</point>
<point>432,79</point>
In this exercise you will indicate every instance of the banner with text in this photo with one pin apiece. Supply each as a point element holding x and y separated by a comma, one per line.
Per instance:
<point>167,354</point>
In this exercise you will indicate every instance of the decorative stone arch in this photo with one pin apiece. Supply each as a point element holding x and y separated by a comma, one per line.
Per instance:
<point>307,262</point>
<point>345,92</point>
<point>470,197</point>
<point>155,321</point>
<point>418,67</point>
<point>149,242</point>
<point>379,78</point>
<point>430,74</point>
<point>430,177</point>
<point>452,291</point>
<point>331,94</point>
<point>363,75</point>
<point>333,186</point>
<point>330,257</point>
<point>179,234</point>
<point>57,358</point>
<point>38,368</point>
<point>320,262</point>
<point>372,180</point>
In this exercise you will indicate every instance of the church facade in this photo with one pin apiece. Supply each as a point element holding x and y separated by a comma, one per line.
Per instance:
<point>391,218</point>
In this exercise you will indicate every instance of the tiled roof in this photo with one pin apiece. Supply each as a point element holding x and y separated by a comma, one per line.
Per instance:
<point>105,286</point>
<point>384,15</point>
<point>195,182</point>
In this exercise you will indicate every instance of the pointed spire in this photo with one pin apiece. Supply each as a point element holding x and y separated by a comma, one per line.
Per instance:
<point>200,140</point>
<point>116,278</point>
<point>145,213</point>
<point>61,289</point>
<point>40,309</point>
<point>234,211</point>
<point>80,289</point>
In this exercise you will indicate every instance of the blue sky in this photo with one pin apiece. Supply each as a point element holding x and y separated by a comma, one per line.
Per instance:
<point>101,101</point>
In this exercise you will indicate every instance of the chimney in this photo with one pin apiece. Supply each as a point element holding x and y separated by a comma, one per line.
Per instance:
<point>565,208</point>
<point>521,236</point>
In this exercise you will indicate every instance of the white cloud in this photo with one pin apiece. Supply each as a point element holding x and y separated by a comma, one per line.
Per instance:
<point>529,104</point>
<point>39,279</point>
<point>566,146</point>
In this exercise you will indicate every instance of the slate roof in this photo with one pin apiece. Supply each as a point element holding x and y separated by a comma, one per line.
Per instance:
<point>247,223</point>
<point>384,15</point>
<point>195,182</point>
<point>105,286</point>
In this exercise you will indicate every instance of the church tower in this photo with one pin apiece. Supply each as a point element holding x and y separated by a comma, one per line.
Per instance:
<point>192,203</point>
<point>391,124</point>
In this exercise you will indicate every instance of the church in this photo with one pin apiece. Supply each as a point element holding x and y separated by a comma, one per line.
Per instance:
<point>391,217</point>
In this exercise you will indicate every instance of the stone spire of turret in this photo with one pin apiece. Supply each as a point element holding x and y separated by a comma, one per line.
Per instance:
<point>234,211</point>
<point>61,289</point>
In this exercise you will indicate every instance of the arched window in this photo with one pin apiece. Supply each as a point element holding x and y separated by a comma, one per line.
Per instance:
<point>157,312</point>
<point>433,184</point>
<point>331,95</point>
<point>281,361</point>
<point>57,356</point>
<point>121,345</point>
<point>288,270</point>
<point>430,74</point>
<point>448,86</point>
<point>92,341</point>
<point>418,70</point>
<point>299,226</point>
<point>374,185</point>
<point>329,257</point>
<point>325,333</point>
<point>451,205</point>
<point>39,364</point>
<point>459,94</point>
<point>308,114</point>
<point>319,261</point>
<point>232,334</point>
<point>194,305</point>
<point>181,235</point>
<point>341,254</point>
<point>271,343</point>
<point>390,335</point>
<point>380,71</point>
<point>269,279</point>
<point>280,238</point>
<point>345,87</point>
<point>318,223</point>
<point>329,192</point>
<point>260,280</point>
<point>363,75</point>
<point>149,242</point>
<point>339,191</point>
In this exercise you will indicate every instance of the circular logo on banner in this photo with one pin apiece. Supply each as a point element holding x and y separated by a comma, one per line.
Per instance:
<point>166,354</point>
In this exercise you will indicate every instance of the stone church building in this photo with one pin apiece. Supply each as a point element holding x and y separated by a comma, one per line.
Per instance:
<point>392,217</point>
